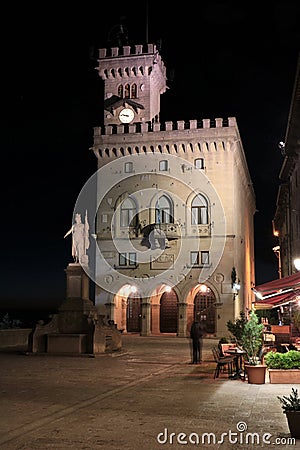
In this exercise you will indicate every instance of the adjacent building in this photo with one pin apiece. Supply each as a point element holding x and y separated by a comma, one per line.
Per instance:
<point>287,216</point>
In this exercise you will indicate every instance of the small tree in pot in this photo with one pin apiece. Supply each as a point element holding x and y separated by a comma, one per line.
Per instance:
<point>252,342</point>
<point>291,407</point>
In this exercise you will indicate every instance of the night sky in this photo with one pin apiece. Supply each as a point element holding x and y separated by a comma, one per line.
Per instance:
<point>243,58</point>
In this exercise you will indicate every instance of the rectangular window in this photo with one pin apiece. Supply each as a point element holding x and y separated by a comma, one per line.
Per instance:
<point>132,259</point>
<point>204,258</point>
<point>163,165</point>
<point>104,218</point>
<point>128,167</point>
<point>127,259</point>
<point>122,259</point>
<point>199,163</point>
<point>199,258</point>
<point>195,258</point>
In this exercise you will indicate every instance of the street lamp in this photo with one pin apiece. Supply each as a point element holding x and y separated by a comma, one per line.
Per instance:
<point>276,250</point>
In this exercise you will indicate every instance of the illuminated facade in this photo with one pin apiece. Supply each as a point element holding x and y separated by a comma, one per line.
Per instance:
<point>174,224</point>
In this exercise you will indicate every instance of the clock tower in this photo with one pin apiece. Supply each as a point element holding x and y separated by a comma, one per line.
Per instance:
<point>133,79</point>
<point>175,207</point>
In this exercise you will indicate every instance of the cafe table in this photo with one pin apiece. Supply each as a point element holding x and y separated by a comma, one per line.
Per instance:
<point>238,355</point>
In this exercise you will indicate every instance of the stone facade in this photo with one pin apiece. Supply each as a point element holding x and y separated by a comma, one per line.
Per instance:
<point>174,223</point>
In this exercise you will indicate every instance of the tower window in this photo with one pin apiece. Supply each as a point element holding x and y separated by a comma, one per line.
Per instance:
<point>127,91</point>
<point>133,91</point>
<point>120,91</point>
<point>199,210</point>
<point>128,167</point>
<point>163,165</point>
<point>199,163</point>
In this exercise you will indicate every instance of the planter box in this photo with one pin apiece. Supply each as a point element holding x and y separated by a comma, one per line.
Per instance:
<point>284,376</point>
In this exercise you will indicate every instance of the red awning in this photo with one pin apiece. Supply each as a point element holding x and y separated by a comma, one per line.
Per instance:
<point>279,291</point>
<point>280,284</point>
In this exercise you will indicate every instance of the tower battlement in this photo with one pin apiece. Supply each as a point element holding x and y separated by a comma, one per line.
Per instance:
<point>166,126</point>
<point>127,50</point>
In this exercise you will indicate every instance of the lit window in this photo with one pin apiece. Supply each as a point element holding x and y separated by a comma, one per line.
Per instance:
<point>127,91</point>
<point>163,165</point>
<point>133,91</point>
<point>120,91</point>
<point>104,218</point>
<point>128,167</point>
<point>199,163</point>
<point>199,211</point>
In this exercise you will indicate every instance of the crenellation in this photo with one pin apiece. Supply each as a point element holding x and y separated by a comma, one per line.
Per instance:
<point>127,50</point>
<point>180,125</point>
<point>115,51</point>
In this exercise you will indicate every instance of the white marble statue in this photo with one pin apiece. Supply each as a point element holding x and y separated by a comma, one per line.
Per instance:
<point>80,239</point>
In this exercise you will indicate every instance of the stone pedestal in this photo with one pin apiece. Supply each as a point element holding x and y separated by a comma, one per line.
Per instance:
<point>66,343</point>
<point>77,328</point>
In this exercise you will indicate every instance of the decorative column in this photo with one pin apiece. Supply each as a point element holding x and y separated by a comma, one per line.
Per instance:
<point>182,320</point>
<point>155,310</point>
<point>146,318</point>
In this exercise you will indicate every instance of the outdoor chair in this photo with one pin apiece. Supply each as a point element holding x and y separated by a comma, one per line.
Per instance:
<point>223,363</point>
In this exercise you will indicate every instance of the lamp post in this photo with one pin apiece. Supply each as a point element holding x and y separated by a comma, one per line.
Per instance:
<point>276,250</point>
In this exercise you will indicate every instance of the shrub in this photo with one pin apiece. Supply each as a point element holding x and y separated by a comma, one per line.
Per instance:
<point>237,327</point>
<point>291,403</point>
<point>288,360</point>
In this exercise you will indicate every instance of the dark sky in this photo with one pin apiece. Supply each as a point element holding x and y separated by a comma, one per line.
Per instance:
<point>223,59</point>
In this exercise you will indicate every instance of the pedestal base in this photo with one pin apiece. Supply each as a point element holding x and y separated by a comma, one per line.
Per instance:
<point>66,343</point>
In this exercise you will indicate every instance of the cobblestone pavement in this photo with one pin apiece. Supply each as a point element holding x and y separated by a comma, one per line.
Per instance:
<point>141,398</point>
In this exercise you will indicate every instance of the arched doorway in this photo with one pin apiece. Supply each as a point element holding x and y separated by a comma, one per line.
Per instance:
<point>133,313</point>
<point>168,312</point>
<point>204,305</point>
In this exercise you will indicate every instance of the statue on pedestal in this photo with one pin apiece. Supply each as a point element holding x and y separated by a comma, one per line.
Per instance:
<point>80,239</point>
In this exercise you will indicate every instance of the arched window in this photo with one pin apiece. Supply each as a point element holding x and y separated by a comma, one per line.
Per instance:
<point>127,91</point>
<point>120,91</point>
<point>133,91</point>
<point>164,210</point>
<point>199,210</point>
<point>128,213</point>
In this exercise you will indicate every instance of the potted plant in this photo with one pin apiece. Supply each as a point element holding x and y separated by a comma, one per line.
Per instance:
<point>236,328</point>
<point>252,341</point>
<point>291,408</point>
<point>283,367</point>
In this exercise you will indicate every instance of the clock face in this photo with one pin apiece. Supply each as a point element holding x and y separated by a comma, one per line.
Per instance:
<point>126,115</point>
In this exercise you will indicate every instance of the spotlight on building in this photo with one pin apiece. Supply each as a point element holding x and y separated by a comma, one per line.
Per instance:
<point>133,289</point>
<point>168,289</point>
<point>297,263</point>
